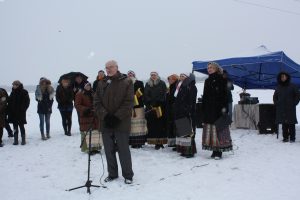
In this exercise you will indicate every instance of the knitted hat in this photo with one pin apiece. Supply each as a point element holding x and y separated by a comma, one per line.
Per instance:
<point>186,74</point>
<point>87,84</point>
<point>154,73</point>
<point>130,72</point>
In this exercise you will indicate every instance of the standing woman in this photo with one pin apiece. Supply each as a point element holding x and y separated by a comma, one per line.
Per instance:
<point>18,104</point>
<point>84,107</point>
<point>286,97</point>
<point>64,98</point>
<point>215,104</point>
<point>155,100</point>
<point>138,131</point>
<point>170,99</point>
<point>44,95</point>
<point>184,111</point>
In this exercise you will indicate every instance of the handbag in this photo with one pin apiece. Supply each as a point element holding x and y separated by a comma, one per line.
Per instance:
<point>183,127</point>
<point>223,122</point>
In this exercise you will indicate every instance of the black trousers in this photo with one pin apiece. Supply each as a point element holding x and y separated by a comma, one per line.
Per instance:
<point>66,117</point>
<point>288,131</point>
<point>16,131</point>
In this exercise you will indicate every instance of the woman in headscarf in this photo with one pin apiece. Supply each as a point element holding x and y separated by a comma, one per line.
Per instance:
<point>215,104</point>
<point>155,101</point>
<point>87,119</point>
<point>138,122</point>
<point>170,99</point>
<point>184,111</point>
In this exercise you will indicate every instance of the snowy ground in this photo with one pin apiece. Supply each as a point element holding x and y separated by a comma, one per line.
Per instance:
<point>261,167</point>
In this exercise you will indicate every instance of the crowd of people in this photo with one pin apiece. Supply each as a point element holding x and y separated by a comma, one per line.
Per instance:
<point>124,112</point>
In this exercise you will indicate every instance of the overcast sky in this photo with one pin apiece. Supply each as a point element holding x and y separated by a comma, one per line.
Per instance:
<point>51,37</point>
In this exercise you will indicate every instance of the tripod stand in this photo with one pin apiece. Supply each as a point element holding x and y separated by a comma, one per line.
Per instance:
<point>88,183</point>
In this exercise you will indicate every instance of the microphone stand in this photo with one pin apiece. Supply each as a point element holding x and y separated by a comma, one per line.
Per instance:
<point>88,183</point>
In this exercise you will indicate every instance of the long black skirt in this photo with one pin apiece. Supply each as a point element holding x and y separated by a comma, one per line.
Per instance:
<point>157,133</point>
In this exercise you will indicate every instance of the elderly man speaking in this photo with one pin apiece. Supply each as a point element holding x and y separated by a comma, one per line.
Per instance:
<point>113,103</point>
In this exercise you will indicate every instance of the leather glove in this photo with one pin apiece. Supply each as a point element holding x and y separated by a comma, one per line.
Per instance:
<point>111,121</point>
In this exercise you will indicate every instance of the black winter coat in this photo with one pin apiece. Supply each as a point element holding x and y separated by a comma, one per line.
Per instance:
<point>185,102</point>
<point>64,98</point>
<point>155,95</point>
<point>170,99</point>
<point>215,98</point>
<point>139,84</point>
<point>286,97</point>
<point>18,103</point>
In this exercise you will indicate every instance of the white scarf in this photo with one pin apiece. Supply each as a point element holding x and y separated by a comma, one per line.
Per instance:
<point>177,89</point>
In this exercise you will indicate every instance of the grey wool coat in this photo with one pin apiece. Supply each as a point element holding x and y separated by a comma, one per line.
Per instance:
<point>114,96</point>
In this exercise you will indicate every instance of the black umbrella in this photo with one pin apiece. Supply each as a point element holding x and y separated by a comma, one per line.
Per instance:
<point>71,76</point>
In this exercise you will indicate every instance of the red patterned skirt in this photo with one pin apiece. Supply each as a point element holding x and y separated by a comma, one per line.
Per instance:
<point>216,140</point>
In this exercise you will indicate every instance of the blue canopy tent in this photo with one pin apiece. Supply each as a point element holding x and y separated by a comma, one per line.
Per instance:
<point>256,72</point>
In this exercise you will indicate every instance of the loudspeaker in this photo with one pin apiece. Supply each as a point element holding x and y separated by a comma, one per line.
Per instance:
<point>267,116</point>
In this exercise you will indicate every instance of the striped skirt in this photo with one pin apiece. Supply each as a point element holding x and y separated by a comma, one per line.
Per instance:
<point>216,140</point>
<point>138,127</point>
<point>96,141</point>
<point>186,146</point>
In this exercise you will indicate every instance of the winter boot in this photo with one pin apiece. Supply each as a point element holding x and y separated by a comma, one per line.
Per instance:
<point>43,136</point>
<point>10,134</point>
<point>218,155</point>
<point>23,141</point>
<point>213,155</point>
<point>48,135</point>
<point>16,141</point>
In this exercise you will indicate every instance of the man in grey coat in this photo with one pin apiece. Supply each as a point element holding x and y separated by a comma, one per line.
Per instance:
<point>113,104</point>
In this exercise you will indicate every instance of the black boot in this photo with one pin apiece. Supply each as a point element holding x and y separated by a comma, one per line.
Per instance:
<point>23,141</point>
<point>10,134</point>
<point>218,155</point>
<point>16,140</point>
<point>214,153</point>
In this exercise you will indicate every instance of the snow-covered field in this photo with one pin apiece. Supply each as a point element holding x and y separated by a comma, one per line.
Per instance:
<point>261,167</point>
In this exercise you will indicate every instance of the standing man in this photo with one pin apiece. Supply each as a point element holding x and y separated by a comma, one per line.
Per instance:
<point>113,103</point>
